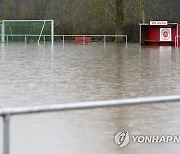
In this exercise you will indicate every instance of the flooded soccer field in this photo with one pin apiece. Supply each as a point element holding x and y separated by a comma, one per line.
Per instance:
<point>43,74</point>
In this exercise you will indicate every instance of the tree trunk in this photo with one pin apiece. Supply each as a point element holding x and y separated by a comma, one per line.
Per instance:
<point>119,20</point>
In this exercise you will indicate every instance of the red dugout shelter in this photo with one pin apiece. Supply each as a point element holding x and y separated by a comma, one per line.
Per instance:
<point>160,33</point>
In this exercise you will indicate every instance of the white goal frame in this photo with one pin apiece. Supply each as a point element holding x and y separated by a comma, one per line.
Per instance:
<point>3,34</point>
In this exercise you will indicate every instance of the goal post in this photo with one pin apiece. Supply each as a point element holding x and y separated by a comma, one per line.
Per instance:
<point>2,32</point>
<point>19,30</point>
<point>52,31</point>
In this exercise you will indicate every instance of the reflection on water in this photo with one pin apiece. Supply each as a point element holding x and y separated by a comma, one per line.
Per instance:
<point>42,74</point>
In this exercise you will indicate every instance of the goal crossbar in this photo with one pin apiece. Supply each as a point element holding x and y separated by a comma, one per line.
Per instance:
<point>4,23</point>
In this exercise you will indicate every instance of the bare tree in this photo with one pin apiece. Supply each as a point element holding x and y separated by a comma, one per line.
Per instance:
<point>6,11</point>
<point>42,8</point>
<point>119,19</point>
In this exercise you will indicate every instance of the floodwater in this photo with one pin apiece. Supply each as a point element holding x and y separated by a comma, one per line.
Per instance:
<point>43,74</point>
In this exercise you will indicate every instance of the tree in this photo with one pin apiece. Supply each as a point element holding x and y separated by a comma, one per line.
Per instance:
<point>6,11</point>
<point>119,19</point>
<point>42,8</point>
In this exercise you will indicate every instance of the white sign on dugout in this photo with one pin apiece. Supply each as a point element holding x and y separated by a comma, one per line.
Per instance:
<point>165,34</point>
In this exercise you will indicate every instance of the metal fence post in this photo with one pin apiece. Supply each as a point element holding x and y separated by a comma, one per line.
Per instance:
<point>126,40</point>
<point>7,38</point>
<point>25,39</point>
<point>63,40</point>
<point>6,134</point>
<point>177,41</point>
<point>44,38</point>
<point>104,39</point>
<point>83,40</point>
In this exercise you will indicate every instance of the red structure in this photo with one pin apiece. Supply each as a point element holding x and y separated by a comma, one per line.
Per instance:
<point>81,39</point>
<point>160,33</point>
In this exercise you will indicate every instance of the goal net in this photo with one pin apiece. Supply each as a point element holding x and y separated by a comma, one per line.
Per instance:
<point>27,30</point>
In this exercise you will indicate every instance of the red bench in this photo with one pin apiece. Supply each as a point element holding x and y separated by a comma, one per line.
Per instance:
<point>157,42</point>
<point>81,39</point>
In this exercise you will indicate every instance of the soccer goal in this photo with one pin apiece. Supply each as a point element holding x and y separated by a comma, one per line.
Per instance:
<point>27,30</point>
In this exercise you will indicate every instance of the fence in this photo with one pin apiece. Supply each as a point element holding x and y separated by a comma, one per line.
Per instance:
<point>65,36</point>
<point>177,41</point>
<point>104,37</point>
<point>7,113</point>
<point>25,37</point>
